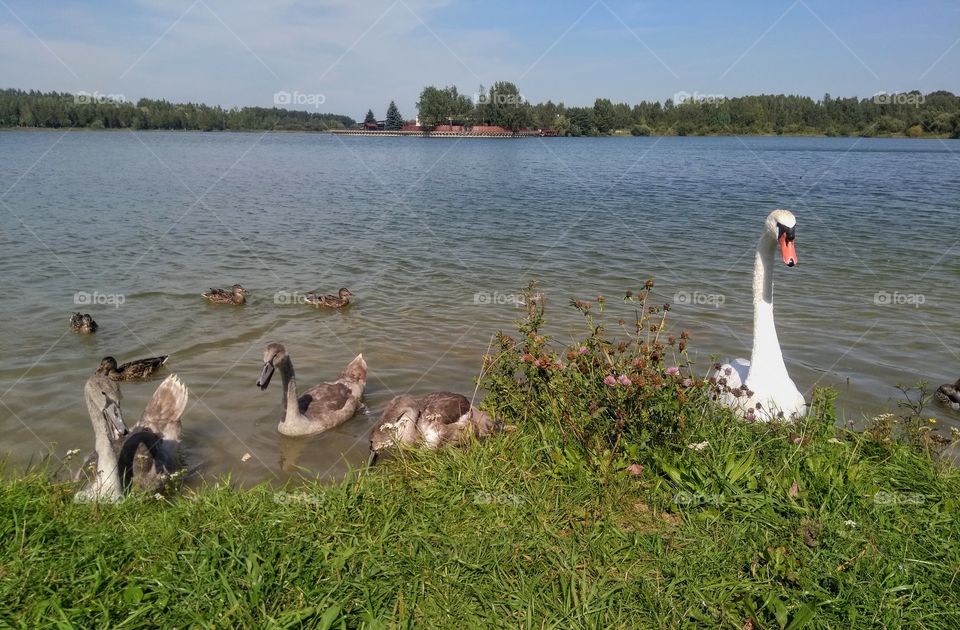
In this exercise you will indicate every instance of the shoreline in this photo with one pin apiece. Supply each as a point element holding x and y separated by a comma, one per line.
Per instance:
<point>447,134</point>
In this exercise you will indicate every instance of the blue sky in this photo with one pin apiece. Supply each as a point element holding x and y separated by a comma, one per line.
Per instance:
<point>344,56</point>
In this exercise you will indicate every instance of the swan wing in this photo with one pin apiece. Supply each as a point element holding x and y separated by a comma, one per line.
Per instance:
<point>325,398</point>
<point>444,407</point>
<point>162,414</point>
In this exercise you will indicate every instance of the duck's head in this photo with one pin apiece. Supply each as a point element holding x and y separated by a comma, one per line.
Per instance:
<point>398,424</point>
<point>273,356</point>
<point>238,290</point>
<point>103,402</point>
<point>88,325</point>
<point>344,293</point>
<point>107,365</point>
<point>781,227</point>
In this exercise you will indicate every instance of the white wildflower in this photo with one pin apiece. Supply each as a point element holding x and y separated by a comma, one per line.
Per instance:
<point>850,523</point>
<point>699,446</point>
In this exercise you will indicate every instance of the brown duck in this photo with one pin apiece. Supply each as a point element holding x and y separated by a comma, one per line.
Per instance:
<point>83,324</point>
<point>330,301</point>
<point>234,295</point>
<point>949,395</point>
<point>138,370</point>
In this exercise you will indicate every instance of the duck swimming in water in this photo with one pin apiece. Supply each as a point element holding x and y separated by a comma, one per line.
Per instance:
<point>83,324</point>
<point>323,406</point>
<point>131,371</point>
<point>330,301</point>
<point>234,295</point>
<point>438,419</point>
<point>949,395</point>
<point>145,456</point>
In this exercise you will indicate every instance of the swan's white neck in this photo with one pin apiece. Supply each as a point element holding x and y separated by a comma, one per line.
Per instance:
<point>106,486</point>
<point>291,406</point>
<point>766,361</point>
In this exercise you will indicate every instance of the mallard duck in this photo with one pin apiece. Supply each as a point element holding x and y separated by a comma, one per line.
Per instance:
<point>234,295</point>
<point>147,455</point>
<point>438,419</point>
<point>323,406</point>
<point>131,371</point>
<point>330,301</point>
<point>949,395</point>
<point>83,324</point>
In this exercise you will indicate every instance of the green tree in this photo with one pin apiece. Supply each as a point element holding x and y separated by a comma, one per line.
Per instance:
<point>443,106</point>
<point>370,118</point>
<point>504,106</point>
<point>394,120</point>
<point>603,115</point>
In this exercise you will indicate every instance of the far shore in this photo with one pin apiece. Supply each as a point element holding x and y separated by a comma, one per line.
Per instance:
<point>622,133</point>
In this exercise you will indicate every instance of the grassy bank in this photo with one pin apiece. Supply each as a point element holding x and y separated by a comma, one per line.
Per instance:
<point>624,505</point>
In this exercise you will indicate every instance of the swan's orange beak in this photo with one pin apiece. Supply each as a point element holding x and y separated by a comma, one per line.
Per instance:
<point>789,250</point>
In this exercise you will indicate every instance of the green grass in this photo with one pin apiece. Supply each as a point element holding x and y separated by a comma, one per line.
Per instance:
<point>512,533</point>
<point>762,526</point>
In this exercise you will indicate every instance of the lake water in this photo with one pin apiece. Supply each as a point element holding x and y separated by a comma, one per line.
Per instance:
<point>435,237</point>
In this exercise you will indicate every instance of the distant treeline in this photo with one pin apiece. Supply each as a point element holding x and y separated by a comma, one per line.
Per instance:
<point>908,113</point>
<point>20,108</point>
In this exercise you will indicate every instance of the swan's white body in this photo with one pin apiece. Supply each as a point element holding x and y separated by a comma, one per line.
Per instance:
<point>765,374</point>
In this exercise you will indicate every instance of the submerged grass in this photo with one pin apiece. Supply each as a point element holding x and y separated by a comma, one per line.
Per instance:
<point>557,524</point>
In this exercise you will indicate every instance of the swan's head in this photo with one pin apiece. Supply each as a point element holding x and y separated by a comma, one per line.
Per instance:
<point>781,227</point>
<point>398,424</point>
<point>356,370</point>
<point>103,402</point>
<point>273,356</point>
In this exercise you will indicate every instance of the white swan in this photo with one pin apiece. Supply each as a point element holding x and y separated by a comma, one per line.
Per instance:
<point>763,380</point>
<point>144,457</point>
